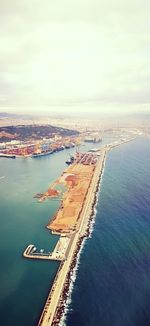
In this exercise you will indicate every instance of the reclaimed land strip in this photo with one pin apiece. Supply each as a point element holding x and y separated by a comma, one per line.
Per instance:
<point>55,302</point>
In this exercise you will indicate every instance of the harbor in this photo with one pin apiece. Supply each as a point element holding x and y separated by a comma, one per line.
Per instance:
<point>33,218</point>
<point>39,148</point>
<point>71,222</point>
<point>55,303</point>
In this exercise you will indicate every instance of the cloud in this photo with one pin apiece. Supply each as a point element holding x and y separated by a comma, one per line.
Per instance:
<point>79,52</point>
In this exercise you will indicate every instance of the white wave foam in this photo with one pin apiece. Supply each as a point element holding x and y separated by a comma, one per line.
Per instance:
<point>92,221</point>
<point>71,286</point>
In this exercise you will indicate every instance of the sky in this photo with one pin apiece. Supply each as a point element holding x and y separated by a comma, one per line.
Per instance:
<point>83,55</point>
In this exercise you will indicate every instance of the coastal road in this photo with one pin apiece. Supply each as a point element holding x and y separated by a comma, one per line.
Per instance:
<point>87,209</point>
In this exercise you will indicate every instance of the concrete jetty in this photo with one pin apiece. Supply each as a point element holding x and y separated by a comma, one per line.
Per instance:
<point>58,254</point>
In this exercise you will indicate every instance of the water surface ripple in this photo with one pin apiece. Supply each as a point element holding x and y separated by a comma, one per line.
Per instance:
<point>113,282</point>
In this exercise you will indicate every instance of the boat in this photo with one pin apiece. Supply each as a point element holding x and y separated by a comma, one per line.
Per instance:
<point>61,148</point>
<point>7,155</point>
<point>93,150</point>
<point>67,146</point>
<point>70,145</point>
<point>97,140</point>
<point>3,177</point>
<point>93,140</point>
<point>68,162</point>
<point>34,155</point>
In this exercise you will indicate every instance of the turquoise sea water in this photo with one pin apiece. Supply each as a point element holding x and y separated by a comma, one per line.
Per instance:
<point>24,283</point>
<point>113,281</point>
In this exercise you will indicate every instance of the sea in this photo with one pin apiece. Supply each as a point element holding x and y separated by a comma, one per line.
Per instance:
<point>111,284</point>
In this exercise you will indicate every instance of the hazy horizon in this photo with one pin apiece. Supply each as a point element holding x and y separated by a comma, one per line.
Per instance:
<point>89,56</point>
<point>74,115</point>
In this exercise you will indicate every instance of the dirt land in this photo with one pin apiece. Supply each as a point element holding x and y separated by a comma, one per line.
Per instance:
<point>77,178</point>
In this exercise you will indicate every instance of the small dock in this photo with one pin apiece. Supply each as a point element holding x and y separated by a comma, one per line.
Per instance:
<point>58,254</point>
<point>31,253</point>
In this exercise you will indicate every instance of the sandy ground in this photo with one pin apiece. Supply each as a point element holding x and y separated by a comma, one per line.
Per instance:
<point>78,179</point>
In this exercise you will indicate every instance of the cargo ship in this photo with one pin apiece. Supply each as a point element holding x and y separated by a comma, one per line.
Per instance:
<point>93,140</point>
<point>60,148</point>
<point>34,155</point>
<point>70,145</point>
<point>7,155</point>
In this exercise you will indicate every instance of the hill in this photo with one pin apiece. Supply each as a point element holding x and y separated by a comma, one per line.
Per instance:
<point>34,132</point>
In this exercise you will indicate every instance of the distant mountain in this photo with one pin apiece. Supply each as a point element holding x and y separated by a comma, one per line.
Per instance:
<point>5,115</point>
<point>34,132</point>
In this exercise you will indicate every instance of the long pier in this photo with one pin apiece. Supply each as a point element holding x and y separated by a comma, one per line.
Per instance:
<point>49,315</point>
<point>117,143</point>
